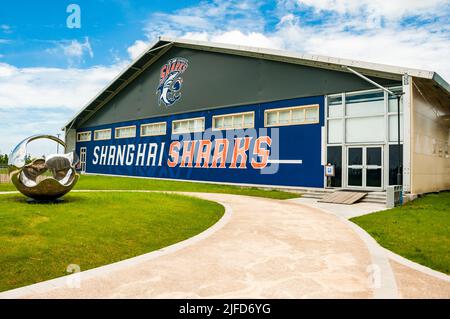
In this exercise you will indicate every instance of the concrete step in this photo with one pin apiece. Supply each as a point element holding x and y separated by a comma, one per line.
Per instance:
<point>318,193</point>
<point>376,195</point>
<point>317,196</point>
<point>371,197</point>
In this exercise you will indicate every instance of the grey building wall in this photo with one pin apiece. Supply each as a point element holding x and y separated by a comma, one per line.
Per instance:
<point>215,80</point>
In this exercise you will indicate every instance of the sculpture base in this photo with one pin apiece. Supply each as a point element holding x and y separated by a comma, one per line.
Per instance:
<point>44,201</point>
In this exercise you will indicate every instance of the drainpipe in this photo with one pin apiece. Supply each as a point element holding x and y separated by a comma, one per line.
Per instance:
<point>399,172</point>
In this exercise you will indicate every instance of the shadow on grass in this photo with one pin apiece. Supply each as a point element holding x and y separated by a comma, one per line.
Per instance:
<point>60,201</point>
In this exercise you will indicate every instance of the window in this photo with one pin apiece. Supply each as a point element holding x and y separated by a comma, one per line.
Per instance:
<point>126,131</point>
<point>306,114</point>
<point>393,105</point>
<point>188,126</point>
<point>365,129</point>
<point>335,131</point>
<point>335,106</point>
<point>364,104</point>
<point>100,135</point>
<point>363,117</point>
<point>234,121</point>
<point>334,157</point>
<point>393,127</point>
<point>83,136</point>
<point>153,129</point>
<point>394,158</point>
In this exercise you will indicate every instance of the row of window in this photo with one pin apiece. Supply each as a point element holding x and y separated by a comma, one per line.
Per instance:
<point>361,117</point>
<point>306,114</point>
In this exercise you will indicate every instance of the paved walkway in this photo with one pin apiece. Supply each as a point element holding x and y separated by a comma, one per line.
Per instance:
<point>412,280</point>
<point>268,249</point>
<point>263,249</point>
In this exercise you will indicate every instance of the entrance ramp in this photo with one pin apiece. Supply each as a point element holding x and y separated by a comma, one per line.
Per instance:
<point>343,197</point>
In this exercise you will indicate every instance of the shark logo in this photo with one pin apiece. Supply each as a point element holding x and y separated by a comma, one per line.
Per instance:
<point>170,81</point>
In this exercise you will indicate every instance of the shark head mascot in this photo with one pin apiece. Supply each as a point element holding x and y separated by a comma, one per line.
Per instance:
<point>170,82</point>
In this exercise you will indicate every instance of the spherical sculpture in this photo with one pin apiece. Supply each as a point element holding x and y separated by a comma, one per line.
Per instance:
<point>44,178</point>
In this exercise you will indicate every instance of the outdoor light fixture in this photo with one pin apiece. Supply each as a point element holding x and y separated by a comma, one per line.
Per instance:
<point>46,178</point>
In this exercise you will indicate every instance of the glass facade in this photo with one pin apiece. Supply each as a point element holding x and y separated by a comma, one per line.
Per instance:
<point>364,127</point>
<point>394,155</point>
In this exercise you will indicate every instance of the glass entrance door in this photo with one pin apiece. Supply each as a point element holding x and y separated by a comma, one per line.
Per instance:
<point>365,167</point>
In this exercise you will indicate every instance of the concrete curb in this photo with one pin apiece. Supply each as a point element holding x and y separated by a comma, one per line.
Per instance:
<point>67,281</point>
<point>387,289</point>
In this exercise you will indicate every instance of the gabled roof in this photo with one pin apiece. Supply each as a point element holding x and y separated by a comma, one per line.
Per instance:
<point>430,78</point>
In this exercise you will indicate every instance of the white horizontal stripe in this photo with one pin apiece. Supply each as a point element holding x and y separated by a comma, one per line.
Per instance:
<point>278,161</point>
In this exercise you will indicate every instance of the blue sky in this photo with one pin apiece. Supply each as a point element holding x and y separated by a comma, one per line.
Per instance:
<point>49,71</point>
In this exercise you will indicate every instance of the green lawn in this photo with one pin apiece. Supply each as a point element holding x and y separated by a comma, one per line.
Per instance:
<point>39,241</point>
<point>108,182</point>
<point>419,231</point>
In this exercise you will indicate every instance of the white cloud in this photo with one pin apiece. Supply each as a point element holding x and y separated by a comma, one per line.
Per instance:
<point>77,49</point>
<point>207,17</point>
<point>377,31</point>
<point>5,28</point>
<point>73,50</point>
<point>27,122</point>
<point>42,100</point>
<point>413,47</point>
<point>387,8</point>
<point>253,38</point>
<point>51,87</point>
<point>137,49</point>
<point>37,100</point>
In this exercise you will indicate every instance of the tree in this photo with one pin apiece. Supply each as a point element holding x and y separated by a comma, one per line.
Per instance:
<point>3,159</point>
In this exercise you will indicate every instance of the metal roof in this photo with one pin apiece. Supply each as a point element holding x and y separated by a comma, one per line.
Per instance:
<point>165,43</point>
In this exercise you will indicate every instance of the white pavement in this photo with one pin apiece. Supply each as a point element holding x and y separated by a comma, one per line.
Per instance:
<point>263,249</point>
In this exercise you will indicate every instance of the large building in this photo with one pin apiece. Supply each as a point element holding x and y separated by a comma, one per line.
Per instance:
<point>201,111</point>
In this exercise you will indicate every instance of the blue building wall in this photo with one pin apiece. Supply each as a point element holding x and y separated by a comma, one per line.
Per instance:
<point>295,142</point>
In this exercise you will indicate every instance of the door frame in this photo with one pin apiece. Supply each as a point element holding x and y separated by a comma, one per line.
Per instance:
<point>83,162</point>
<point>364,167</point>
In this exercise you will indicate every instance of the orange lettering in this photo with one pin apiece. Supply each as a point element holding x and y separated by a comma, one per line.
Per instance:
<point>174,154</point>
<point>241,152</point>
<point>203,153</point>
<point>261,152</point>
<point>188,154</point>
<point>220,154</point>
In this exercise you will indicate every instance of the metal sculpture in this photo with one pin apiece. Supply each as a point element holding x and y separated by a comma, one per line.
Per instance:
<point>44,178</point>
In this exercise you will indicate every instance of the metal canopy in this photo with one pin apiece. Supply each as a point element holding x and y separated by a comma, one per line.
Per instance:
<point>164,44</point>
